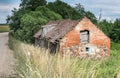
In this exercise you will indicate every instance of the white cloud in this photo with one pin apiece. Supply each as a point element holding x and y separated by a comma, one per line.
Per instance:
<point>106,1</point>
<point>110,8</point>
<point>8,7</point>
<point>106,8</point>
<point>1,20</point>
<point>5,10</point>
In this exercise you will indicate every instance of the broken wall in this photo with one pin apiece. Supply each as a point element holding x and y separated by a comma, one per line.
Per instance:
<point>97,40</point>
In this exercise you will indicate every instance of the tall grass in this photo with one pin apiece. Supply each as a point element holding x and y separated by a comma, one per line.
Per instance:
<point>35,62</point>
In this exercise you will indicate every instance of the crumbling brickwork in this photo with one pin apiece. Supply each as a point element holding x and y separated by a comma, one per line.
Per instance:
<point>74,37</point>
<point>98,45</point>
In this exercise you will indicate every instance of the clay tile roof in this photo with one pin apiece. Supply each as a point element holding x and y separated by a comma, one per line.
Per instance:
<point>38,34</point>
<point>61,29</point>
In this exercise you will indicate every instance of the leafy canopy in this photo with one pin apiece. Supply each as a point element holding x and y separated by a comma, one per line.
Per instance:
<point>115,33</point>
<point>27,20</point>
<point>32,4</point>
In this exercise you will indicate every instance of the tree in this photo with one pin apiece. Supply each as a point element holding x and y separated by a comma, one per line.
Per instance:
<point>25,7</point>
<point>91,16</point>
<point>14,20</point>
<point>27,20</point>
<point>115,34</point>
<point>106,26</point>
<point>80,8</point>
<point>31,22</point>
<point>65,10</point>
<point>32,4</point>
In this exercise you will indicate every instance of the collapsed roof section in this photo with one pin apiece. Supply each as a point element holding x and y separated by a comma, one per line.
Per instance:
<point>56,30</point>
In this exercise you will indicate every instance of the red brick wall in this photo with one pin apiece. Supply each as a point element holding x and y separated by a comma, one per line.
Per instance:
<point>97,37</point>
<point>71,39</point>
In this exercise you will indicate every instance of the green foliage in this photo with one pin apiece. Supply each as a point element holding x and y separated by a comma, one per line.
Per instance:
<point>106,26</point>
<point>91,16</point>
<point>50,15</point>
<point>14,20</point>
<point>32,4</point>
<point>111,29</point>
<point>28,28</point>
<point>30,23</point>
<point>26,21</point>
<point>34,13</point>
<point>65,10</point>
<point>115,33</point>
<point>115,46</point>
<point>80,8</point>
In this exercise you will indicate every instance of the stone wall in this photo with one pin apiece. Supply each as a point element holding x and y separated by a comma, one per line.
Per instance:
<point>80,51</point>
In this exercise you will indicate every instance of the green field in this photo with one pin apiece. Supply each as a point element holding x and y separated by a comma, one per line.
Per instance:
<point>4,28</point>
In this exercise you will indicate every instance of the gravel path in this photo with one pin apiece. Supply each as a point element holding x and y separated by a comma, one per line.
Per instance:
<point>7,61</point>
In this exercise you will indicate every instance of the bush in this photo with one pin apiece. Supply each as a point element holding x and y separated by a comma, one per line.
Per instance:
<point>31,22</point>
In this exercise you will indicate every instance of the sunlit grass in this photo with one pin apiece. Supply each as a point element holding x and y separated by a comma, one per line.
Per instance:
<point>35,62</point>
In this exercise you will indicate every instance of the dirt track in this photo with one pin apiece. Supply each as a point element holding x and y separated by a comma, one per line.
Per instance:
<point>7,61</point>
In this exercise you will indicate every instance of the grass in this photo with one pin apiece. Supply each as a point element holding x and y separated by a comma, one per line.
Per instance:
<point>34,62</point>
<point>4,28</point>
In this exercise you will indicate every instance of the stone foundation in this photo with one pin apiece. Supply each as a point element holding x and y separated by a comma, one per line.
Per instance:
<point>86,50</point>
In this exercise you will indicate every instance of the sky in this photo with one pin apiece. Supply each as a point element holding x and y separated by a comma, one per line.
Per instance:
<point>110,9</point>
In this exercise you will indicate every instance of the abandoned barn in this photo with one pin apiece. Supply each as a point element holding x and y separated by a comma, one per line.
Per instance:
<point>74,38</point>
